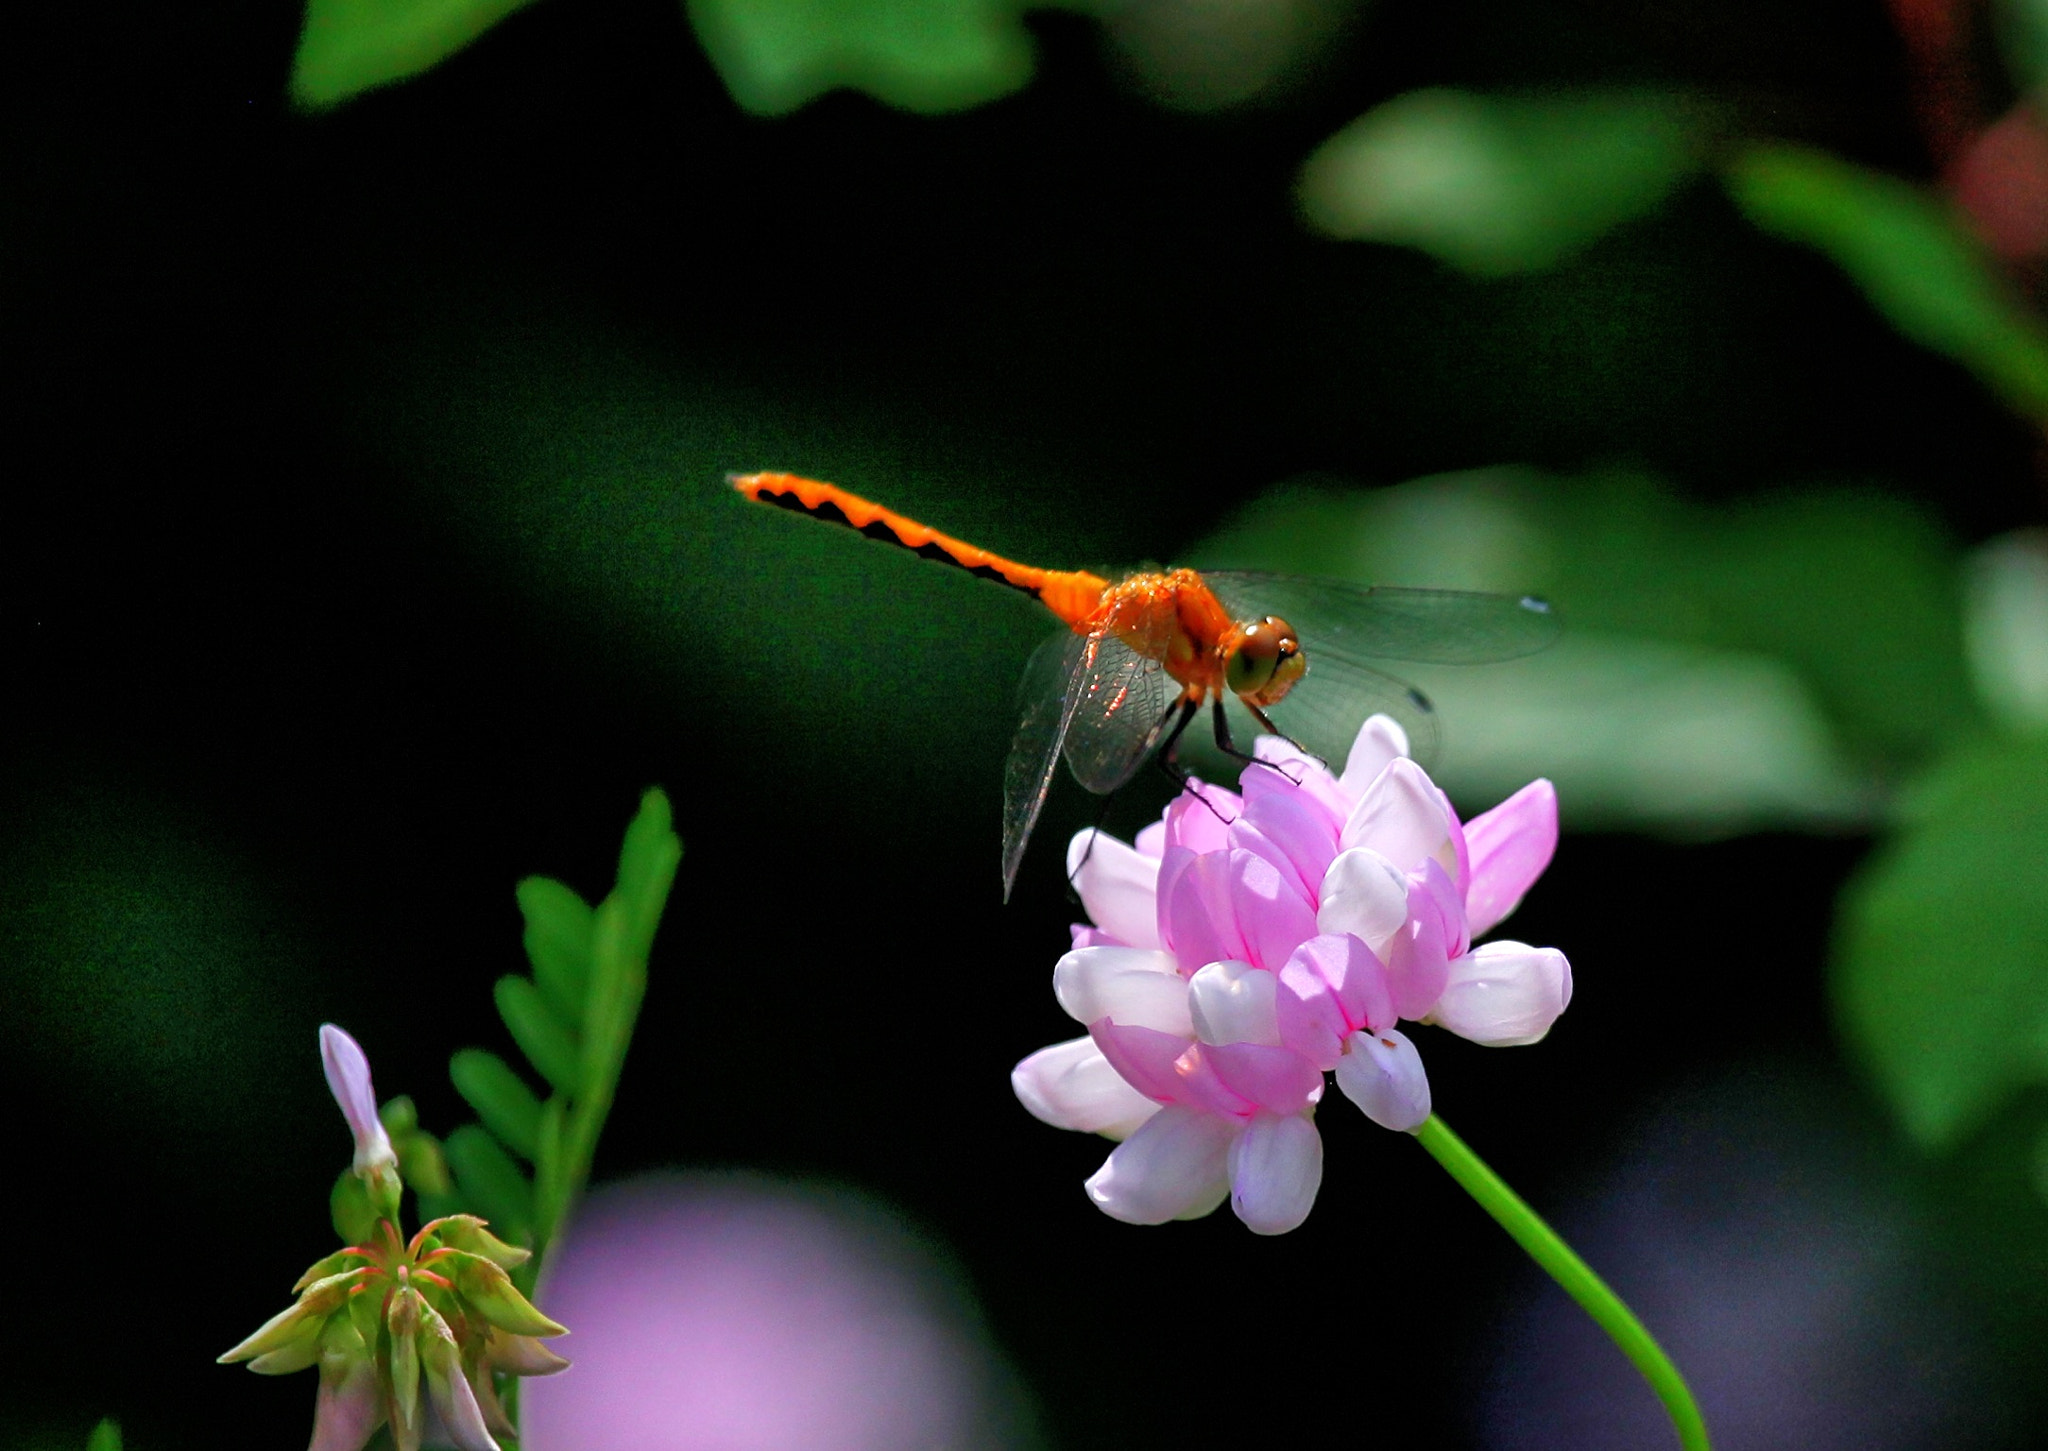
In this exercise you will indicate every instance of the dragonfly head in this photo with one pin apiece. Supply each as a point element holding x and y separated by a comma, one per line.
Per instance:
<point>1264,662</point>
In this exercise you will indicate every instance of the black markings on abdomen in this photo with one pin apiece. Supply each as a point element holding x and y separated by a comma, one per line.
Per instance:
<point>882,531</point>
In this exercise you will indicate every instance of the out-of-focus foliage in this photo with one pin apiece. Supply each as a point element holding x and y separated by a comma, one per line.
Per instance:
<point>922,55</point>
<point>1502,184</point>
<point>1209,55</point>
<point>1722,667</point>
<point>106,1436</point>
<point>774,55</point>
<point>573,1019</point>
<point>2007,628</point>
<point>351,46</point>
<point>2022,28</point>
<point>1942,964</point>
<point>1910,254</point>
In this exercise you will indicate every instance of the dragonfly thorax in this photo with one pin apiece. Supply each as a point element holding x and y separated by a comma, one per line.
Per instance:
<point>1172,616</point>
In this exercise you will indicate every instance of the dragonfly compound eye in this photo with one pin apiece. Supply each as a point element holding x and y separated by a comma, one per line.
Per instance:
<point>1266,662</point>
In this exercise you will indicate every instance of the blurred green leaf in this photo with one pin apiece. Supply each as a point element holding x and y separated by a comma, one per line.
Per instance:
<point>350,46</point>
<point>349,1208</point>
<point>1858,591</point>
<point>545,1040</point>
<point>921,55</point>
<point>491,1182</point>
<point>419,1153</point>
<point>106,1436</point>
<point>1910,254</point>
<point>500,1097</point>
<point>1725,667</point>
<point>557,942</point>
<point>421,1163</point>
<point>2022,30</point>
<point>1941,959</point>
<point>1496,185</point>
<point>2006,627</point>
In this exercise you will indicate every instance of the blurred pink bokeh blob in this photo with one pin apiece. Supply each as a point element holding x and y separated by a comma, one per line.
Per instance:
<point>737,1314</point>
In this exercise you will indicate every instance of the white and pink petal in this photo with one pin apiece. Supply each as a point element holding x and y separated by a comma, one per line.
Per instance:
<point>1071,1085</point>
<point>1128,985</point>
<point>1504,994</point>
<point>1291,830</point>
<point>1274,914</point>
<point>1404,818</point>
<point>350,1405</point>
<point>1365,895</point>
<point>1379,743</point>
<point>1510,846</point>
<point>1278,1080</point>
<point>1198,917</point>
<point>1145,1058</point>
<point>1292,773</point>
<point>1174,1167</point>
<point>1276,1167</point>
<point>1233,1002</point>
<point>1118,885</point>
<point>1442,900</point>
<point>1382,1073</point>
<point>1418,957</point>
<point>1332,985</point>
<point>1199,817</point>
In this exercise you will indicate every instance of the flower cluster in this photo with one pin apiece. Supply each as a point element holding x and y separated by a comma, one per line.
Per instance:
<point>1247,945</point>
<point>385,1319</point>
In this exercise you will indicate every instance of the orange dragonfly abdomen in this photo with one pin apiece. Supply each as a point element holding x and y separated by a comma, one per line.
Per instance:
<point>1166,615</point>
<point>1074,595</point>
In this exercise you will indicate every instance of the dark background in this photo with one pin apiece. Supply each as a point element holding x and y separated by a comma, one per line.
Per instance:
<point>366,549</point>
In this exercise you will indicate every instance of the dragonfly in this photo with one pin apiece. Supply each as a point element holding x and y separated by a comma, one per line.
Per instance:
<point>1141,657</point>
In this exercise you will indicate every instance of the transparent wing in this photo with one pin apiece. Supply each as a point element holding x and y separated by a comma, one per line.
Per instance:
<point>1100,699</point>
<point>1120,697</point>
<point>1322,714</point>
<point>1045,711</point>
<point>1431,626</point>
<point>1343,625</point>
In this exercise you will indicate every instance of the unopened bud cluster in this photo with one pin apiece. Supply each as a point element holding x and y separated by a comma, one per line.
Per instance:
<point>392,1317</point>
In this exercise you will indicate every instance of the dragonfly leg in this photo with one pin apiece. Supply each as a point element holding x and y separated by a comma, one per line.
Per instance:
<point>1073,883</point>
<point>1171,727</point>
<point>1225,744</point>
<point>1168,732</point>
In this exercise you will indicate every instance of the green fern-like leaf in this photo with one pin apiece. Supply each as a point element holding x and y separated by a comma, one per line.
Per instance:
<point>558,927</point>
<point>501,1099</point>
<point>573,1020</point>
<point>549,1043</point>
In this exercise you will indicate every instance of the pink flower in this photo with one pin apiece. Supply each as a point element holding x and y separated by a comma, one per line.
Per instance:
<point>1246,945</point>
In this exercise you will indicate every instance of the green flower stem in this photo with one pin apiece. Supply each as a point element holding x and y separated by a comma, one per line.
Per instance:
<point>1577,1278</point>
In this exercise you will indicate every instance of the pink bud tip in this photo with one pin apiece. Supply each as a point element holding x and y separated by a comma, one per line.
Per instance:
<point>348,1079</point>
